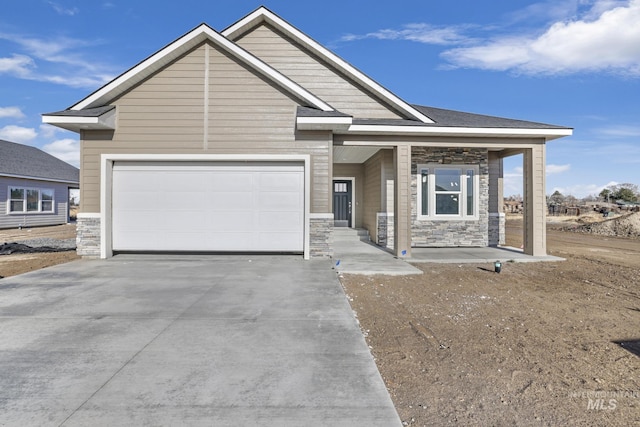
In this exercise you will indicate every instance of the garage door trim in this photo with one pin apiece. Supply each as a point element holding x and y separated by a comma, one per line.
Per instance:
<point>106,169</point>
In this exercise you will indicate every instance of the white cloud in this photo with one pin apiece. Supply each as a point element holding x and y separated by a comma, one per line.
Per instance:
<point>423,33</point>
<point>554,169</point>
<point>17,133</point>
<point>621,131</point>
<point>62,10</point>
<point>11,112</point>
<point>67,150</point>
<point>582,190</point>
<point>60,60</point>
<point>17,65</point>
<point>606,42</point>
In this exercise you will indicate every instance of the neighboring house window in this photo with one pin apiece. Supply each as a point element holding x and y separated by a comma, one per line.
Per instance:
<point>24,200</point>
<point>447,192</point>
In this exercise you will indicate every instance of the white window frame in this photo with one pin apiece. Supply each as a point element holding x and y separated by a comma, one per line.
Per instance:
<point>430,169</point>
<point>25,210</point>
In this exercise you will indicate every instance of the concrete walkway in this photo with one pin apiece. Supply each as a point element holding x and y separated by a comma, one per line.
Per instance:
<point>355,254</point>
<point>185,340</point>
<point>475,255</point>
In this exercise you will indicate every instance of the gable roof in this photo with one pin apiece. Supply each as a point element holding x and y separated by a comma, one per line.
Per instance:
<point>173,50</point>
<point>24,161</point>
<point>262,14</point>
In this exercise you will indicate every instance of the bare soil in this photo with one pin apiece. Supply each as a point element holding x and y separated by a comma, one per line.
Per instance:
<point>538,344</point>
<point>14,264</point>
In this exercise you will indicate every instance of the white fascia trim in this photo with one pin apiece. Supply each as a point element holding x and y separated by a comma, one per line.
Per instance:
<point>454,131</point>
<point>33,178</point>
<point>366,81</point>
<point>185,43</point>
<point>89,215</point>
<point>106,121</point>
<point>106,174</point>
<point>324,123</point>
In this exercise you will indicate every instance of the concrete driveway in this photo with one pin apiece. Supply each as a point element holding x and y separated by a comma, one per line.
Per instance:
<point>185,340</point>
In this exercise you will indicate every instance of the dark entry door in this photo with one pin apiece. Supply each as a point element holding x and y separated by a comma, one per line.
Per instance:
<point>342,203</point>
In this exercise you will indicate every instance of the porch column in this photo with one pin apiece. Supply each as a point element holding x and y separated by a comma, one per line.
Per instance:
<point>535,204</point>
<point>402,199</point>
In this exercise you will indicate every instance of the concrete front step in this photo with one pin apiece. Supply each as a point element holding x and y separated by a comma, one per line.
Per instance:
<point>345,233</point>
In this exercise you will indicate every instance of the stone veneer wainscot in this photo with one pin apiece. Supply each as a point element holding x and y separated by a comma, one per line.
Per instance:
<point>451,233</point>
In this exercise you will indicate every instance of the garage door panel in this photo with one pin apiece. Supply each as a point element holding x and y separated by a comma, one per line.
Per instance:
<point>208,206</point>
<point>279,201</point>
<point>225,201</point>
<point>229,181</point>
<point>280,221</point>
<point>280,181</point>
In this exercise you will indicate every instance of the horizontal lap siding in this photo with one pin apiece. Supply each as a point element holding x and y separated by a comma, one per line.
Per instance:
<point>166,115</point>
<point>291,60</point>
<point>58,216</point>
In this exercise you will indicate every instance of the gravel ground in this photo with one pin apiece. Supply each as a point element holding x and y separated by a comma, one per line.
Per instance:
<point>49,242</point>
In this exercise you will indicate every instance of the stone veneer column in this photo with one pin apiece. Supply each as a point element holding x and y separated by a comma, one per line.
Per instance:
<point>320,235</point>
<point>402,207</point>
<point>88,235</point>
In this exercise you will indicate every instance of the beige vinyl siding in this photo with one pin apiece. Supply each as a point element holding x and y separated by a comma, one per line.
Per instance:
<point>166,115</point>
<point>318,77</point>
<point>60,214</point>
<point>372,193</point>
<point>353,170</point>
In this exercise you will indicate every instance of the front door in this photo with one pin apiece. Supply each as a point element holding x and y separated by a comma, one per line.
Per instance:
<point>342,203</point>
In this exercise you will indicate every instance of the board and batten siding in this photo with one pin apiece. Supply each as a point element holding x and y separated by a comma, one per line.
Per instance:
<point>205,102</point>
<point>60,214</point>
<point>292,60</point>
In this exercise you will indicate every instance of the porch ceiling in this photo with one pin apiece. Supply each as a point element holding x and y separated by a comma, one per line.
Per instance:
<point>344,154</point>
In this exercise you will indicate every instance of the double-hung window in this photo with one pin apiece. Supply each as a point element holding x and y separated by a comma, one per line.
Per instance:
<point>447,192</point>
<point>26,200</point>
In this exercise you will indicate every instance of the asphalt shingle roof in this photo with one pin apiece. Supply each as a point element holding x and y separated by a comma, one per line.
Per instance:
<point>26,161</point>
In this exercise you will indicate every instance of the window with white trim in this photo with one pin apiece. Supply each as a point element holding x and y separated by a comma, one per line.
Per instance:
<point>447,192</point>
<point>28,200</point>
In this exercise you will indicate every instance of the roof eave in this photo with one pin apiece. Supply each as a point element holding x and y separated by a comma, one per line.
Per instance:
<point>40,178</point>
<point>76,123</point>
<point>336,124</point>
<point>547,134</point>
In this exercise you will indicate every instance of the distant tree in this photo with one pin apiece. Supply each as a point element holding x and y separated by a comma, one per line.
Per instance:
<point>627,192</point>
<point>556,198</point>
<point>605,195</point>
<point>570,200</point>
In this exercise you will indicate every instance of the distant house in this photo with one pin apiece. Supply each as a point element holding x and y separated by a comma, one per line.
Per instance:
<point>259,139</point>
<point>34,187</point>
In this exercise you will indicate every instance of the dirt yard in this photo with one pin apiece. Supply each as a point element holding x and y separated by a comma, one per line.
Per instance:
<point>11,265</point>
<point>538,344</point>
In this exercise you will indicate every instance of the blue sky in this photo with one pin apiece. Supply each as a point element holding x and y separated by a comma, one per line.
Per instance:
<point>574,63</point>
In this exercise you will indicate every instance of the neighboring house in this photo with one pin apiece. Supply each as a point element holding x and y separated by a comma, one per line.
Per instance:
<point>259,139</point>
<point>34,187</point>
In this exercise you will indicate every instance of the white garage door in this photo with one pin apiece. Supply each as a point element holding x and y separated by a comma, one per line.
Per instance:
<point>197,206</point>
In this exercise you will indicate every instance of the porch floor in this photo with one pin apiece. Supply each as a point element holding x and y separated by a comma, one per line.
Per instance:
<point>355,254</point>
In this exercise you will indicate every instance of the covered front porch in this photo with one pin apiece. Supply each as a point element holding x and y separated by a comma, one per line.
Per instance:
<point>417,196</point>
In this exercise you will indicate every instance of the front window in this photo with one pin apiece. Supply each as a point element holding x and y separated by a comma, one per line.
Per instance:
<point>30,200</point>
<point>447,192</point>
